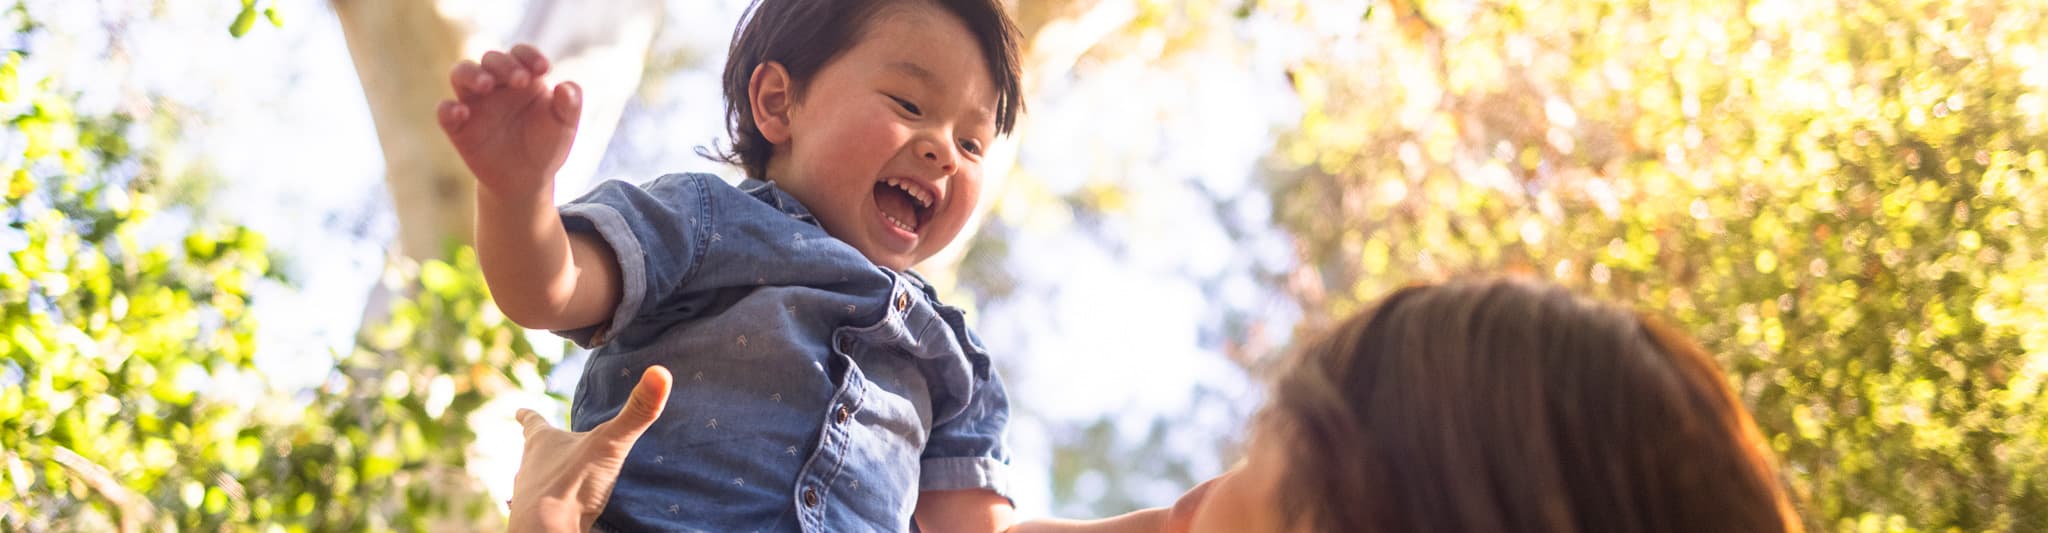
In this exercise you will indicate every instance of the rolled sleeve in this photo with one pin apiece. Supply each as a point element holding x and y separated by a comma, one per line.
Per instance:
<point>968,452</point>
<point>960,473</point>
<point>658,232</point>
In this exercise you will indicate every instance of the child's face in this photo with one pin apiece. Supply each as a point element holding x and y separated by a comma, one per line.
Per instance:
<point>885,143</point>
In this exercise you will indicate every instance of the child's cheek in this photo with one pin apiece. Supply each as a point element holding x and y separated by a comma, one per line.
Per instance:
<point>883,131</point>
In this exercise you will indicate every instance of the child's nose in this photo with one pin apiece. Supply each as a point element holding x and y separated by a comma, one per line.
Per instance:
<point>938,154</point>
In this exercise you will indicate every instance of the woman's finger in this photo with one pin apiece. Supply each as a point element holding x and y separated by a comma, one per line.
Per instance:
<point>532,422</point>
<point>643,407</point>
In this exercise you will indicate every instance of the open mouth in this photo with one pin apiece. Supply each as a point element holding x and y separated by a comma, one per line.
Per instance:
<point>905,203</point>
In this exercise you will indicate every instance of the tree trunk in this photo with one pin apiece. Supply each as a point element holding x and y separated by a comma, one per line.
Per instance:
<point>603,50</point>
<point>402,51</point>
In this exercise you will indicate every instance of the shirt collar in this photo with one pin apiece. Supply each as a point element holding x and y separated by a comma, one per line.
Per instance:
<point>767,192</point>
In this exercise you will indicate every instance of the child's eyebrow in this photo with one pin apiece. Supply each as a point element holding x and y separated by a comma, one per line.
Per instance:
<point>917,71</point>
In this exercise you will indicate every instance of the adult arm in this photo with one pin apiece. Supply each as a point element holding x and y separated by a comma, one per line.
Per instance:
<point>984,510</point>
<point>979,510</point>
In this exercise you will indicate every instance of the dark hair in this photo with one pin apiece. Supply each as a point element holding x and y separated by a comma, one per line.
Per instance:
<point>1514,405</point>
<point>804,35</point>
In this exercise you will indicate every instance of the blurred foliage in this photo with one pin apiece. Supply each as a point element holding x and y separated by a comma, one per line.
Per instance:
<point>1844,200</point>
<point>246,18</point>
<point>385,442</point>
<point>110,344</point>
<point>128,398</point>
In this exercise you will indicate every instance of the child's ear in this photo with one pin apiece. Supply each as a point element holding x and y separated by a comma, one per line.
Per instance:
<point>771,95</point>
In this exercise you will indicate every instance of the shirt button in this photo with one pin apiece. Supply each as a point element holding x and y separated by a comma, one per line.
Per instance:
<point>902,301</point>
<point>810,498</point>
<point>844,414</point>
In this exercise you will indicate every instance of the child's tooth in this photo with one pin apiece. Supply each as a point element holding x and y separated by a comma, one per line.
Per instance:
<point>898,223</point>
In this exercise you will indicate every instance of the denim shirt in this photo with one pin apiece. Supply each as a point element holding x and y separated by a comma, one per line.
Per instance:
<point>814,390</point>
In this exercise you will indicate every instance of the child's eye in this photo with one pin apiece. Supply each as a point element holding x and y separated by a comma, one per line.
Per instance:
<point>907,106</point>
<point>971,147</point>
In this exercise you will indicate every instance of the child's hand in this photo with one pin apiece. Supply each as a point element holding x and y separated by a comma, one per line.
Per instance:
<point>512,129</point>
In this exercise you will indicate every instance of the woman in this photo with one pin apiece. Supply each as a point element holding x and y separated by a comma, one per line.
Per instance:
<point>1501,405</point>
<point>1477,405</point>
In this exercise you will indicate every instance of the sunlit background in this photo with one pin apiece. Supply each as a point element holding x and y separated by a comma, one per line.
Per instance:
<point>237,295</point>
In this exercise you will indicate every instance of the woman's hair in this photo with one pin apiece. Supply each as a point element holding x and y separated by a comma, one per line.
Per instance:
<point>1514,405</point>
<point>805,35</point>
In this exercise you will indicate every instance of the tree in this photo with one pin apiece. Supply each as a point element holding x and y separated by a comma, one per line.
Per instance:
<point>127,396</point>
<point>1133,237</point>
<point>403,50</point>
<point>1840,199</point>
<point>109,342</point>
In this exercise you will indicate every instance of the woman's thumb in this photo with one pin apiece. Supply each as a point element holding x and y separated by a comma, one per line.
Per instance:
<point>645,405</point>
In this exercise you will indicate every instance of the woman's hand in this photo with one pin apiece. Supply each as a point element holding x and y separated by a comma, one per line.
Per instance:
<point>565,478</point>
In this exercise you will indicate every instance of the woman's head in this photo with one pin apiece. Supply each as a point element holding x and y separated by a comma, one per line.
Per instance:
<point>874,113</point>
<point>1504,405</point>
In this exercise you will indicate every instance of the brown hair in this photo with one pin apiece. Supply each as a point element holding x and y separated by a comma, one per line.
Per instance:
<point>1514,405</point>
<point>805,35</point>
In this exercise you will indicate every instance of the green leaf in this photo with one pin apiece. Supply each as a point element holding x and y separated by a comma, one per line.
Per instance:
<point>243,21</point>
<point>438,277</point>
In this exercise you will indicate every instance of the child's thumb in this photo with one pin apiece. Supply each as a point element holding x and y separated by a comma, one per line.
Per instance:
<point>451,115</point>
<point>645,404</point>
<point>568,103</point>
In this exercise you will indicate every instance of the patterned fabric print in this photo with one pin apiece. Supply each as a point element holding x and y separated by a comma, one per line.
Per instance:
<point>814,390</point>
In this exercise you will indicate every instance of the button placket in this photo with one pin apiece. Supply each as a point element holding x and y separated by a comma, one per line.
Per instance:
<point>810,497</point>
<point>903,301</point>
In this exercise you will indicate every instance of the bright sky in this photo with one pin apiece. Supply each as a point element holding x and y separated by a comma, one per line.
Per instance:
<point>1129,306</point>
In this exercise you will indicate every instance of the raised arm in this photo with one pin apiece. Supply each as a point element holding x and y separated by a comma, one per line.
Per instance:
<point>514,132</point>
<point>541,276</point>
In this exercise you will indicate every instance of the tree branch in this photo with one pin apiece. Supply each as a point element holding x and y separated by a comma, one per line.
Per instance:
<point>134,510</point>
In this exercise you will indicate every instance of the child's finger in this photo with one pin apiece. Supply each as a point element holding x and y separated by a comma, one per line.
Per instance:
<point>505,68</point>
<point>469,80</point>
<point>532,58</point>
<point>568,103</point>
<point>452,115</point>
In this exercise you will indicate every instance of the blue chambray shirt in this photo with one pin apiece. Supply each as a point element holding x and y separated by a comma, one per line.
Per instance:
<point>815,390</point>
